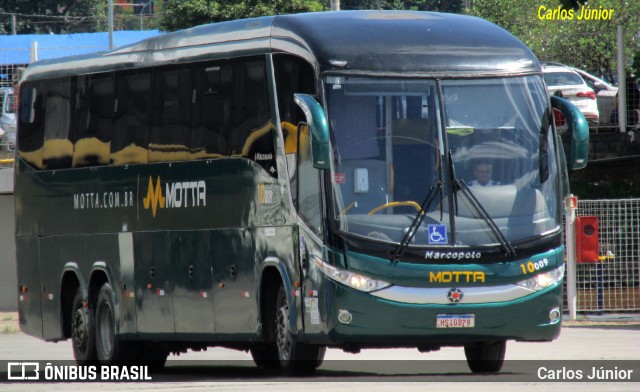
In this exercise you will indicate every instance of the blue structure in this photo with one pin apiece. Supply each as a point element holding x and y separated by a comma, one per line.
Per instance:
<point>15,49</point>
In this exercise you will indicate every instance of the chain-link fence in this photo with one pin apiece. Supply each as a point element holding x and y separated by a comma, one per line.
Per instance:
<point>7,71</point>
<point>612,284</point>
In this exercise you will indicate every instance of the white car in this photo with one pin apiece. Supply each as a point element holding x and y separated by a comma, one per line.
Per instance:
<point>564,81</point>
<point>7,120</point>
<point>605,94</point>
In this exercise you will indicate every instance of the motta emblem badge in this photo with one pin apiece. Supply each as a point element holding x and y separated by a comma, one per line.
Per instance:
<point>455,295</point>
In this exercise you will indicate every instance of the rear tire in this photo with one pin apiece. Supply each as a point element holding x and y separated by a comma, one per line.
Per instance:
<point>485,357</point>
<point>109,347</point>
<point>296,358</point>
<point>82,331</point>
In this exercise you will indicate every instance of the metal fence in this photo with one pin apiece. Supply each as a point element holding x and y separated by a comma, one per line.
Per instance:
<point>7,71</point>
<point>612,284</point>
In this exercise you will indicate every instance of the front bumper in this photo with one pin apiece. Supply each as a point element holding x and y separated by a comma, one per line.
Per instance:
<point>379,322</point>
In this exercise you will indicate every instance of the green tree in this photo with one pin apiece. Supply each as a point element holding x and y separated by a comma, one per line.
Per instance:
<point>180,14</point>
<point>74,16</point>
<point>586,44</point>
<point>415,5</point>
<point>48,16</point>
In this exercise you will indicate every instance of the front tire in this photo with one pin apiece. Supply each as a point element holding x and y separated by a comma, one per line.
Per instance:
<point>82,331</point>
<point>485,357</point>
<point>266,356</point>
<point>296,358</point>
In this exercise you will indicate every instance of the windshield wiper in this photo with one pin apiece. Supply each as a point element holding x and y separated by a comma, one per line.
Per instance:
<point>417,220</point>
<point>461,185</point>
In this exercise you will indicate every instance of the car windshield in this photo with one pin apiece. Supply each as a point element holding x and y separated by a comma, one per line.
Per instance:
<point>562,79</point>
<point>391,141</point>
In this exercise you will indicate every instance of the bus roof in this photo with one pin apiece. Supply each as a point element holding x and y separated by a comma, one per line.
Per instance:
<point>376,42</point>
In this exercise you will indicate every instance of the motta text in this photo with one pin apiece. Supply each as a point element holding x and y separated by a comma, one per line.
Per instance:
<point>182,194</point>
<point>456,276</point>
<point>98,200</point>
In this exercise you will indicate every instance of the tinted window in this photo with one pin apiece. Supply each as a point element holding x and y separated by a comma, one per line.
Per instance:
<point>131,123</point>
<point>172,96</point>
<point>58,149</point>
<point>94,113</point>
<point>250,128</point>
<point>293,75</point>
<point>211,110</point>
<point>31,135</point>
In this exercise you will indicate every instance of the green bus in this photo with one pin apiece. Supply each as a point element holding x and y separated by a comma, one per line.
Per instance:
<point>285,184</point>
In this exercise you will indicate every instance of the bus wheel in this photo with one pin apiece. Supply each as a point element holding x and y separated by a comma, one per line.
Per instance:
<point>265,357</point>
<point>82,331</point>
<point>109,347</point>
<point>485,357</point>
<point>296,358</point>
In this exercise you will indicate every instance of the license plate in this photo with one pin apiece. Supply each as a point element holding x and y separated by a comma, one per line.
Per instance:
<point>455,321</point>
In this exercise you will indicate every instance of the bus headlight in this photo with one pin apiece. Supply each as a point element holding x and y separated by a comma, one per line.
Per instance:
<point>543,280</point>
<point>351,279</point>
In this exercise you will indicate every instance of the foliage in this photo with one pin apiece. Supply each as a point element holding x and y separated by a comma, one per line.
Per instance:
<point>615,189</point>
<point>415,5</point>
<point>70,16</point>
<point>73,16</point>
<point>586,44</point>
<point>54,16</point>
<point>180,14</point>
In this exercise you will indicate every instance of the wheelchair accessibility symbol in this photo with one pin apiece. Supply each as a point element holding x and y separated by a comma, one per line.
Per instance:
<point>437,234</point>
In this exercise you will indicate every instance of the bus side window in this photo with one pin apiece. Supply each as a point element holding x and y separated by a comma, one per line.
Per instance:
<point>58,149</point>
<point>251,124</point>
<point>131,123</point>
<point>94,112</point>
<point>308,180</point>
<point>31,135</point>
<point>211,110</point>
<point>293,75</point>
<point>171,102</point>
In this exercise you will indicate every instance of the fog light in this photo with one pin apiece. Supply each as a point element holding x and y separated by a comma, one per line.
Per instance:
<point>344,316</point>
<point>554,315</point>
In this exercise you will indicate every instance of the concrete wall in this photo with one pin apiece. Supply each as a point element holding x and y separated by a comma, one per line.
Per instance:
<point>8,272</point>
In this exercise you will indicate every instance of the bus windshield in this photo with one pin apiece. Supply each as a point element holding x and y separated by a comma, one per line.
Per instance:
<point>487,143</point>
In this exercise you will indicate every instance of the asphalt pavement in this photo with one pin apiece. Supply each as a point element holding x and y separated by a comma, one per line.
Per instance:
<point>585,349</point>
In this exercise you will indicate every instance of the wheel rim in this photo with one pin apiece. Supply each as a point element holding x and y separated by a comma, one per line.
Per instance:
<point>106,329</point>
<point>283,338</point>
<point>79,329</point>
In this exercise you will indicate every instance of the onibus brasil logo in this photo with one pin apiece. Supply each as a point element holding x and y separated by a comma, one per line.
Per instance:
<point>181,194</point>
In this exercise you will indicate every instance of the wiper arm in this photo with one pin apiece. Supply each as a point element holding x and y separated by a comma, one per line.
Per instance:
<point>417,220</point>
<point>452,179</point>
<point>461,185</point>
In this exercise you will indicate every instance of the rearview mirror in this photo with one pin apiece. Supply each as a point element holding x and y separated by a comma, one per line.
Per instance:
<point>578,129</point>
<point>317,120</point>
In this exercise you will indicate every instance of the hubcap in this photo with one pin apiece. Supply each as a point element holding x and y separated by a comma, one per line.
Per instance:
<point>283,338</point>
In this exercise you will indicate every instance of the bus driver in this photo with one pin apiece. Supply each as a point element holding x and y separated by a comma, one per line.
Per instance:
<point>482,174</point>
